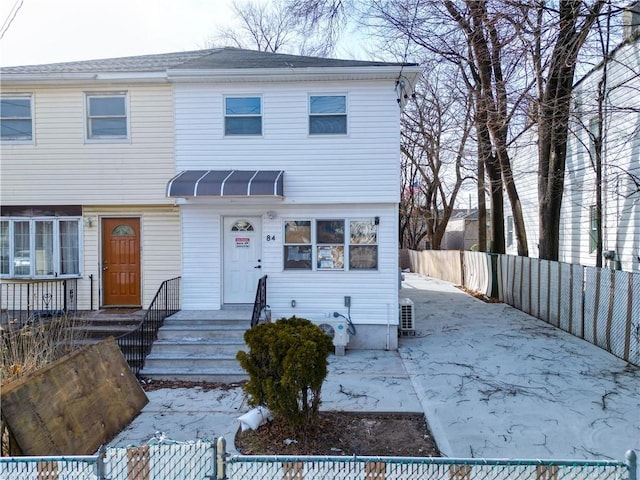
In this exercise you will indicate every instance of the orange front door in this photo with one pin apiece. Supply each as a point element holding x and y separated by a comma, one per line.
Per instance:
<point>121,262</point>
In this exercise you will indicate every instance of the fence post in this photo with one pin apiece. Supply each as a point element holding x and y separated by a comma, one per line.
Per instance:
<point>632,464</point>
<point>100,463</point>
<point>221,464</point>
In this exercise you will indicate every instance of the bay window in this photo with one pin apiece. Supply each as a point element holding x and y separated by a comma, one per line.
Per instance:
<point>41,247</point>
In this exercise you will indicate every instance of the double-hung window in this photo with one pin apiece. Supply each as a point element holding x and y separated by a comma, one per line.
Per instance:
<point>16,118</point>
<point>40,247</point>
<point>243,116</point>
<point>335,244</point>
<point>327,114</point>
<point>107,117</point>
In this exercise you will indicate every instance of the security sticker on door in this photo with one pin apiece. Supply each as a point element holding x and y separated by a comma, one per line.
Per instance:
<point>242,242</point>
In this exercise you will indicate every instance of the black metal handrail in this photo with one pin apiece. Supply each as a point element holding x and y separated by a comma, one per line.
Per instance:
<point>23,300</point>
<point>136,344</point>
<point>260,302</point>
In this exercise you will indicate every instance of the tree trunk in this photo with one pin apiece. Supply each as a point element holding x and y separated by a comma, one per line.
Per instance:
<point>553,120</point>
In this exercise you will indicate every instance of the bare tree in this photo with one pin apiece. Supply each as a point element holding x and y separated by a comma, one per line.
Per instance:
<point>435,136</point>
<point>268,27</point>
<point>555,63</point>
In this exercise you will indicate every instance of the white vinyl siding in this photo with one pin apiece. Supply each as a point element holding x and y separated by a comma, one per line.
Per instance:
<point>374,292</point>
<point>61,168</point>
<point>361,167</point>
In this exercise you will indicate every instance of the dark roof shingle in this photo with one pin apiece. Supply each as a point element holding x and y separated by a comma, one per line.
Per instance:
<point>211,59</point>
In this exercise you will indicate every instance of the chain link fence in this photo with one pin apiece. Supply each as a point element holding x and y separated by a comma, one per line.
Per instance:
<point>209,461</point>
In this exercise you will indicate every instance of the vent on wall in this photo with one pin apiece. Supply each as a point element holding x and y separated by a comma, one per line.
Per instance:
<point>407,318</point>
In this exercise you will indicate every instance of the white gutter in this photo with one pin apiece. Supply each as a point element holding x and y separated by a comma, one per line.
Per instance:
<point>68,78</point>
<point>293,73</point>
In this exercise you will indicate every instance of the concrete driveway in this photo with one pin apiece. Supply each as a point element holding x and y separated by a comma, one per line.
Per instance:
<point>495,382</point>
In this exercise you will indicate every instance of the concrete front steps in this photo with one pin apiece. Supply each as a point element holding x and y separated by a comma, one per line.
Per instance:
<point>200,346</point>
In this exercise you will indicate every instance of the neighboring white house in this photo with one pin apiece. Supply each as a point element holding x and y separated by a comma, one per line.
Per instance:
<point>233,164</point>
<point>620,160</point>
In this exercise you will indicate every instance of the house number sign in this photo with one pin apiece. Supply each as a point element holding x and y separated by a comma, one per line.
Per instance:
<point>271,238</point>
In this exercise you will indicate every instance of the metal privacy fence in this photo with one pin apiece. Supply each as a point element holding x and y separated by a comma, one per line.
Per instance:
<point>208,461</point>
<point>599,305</point>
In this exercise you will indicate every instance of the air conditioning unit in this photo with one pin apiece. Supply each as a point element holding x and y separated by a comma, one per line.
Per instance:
<point>407,324</point>
<point>336,328</point>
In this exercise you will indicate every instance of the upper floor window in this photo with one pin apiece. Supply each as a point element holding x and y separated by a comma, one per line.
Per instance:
<point>243,116</point>
<point>107,116</point>
<point>16,118</point>
<point>40,247</point>
<point>327,114</point>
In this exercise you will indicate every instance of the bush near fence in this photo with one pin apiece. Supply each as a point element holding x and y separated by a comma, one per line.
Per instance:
<point>599,305</point>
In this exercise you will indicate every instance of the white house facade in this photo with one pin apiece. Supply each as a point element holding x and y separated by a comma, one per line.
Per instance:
<point>289,167</point>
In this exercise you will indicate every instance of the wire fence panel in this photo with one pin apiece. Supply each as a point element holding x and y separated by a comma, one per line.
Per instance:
<point>591,285</point>
<point>394,468</point>
<point>577,298</point>
<point>49,468</point>
<point>534,266</point>
<point>566,304</point>
<point>190,461</point>
<point>544,289</point>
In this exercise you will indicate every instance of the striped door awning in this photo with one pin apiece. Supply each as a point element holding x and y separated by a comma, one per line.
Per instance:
<point>227,183</point>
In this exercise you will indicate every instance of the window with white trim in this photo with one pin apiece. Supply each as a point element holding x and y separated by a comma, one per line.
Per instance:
<point>107,117</point>
<point>331,244</point>
<point>40,247</point>
<point>327,114</point>
<point>242,116</point>
<point>16,118</point>
<point>509,231</point>
<point>363,244</point>
<point>297,245</point>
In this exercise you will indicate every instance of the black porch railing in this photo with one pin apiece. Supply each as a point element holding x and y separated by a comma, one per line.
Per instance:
<point>261,301</point>
<point>136,344</point>
<point>23,300</point>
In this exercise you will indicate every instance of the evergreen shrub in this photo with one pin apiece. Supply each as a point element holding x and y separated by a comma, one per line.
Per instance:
<point>287,364</point>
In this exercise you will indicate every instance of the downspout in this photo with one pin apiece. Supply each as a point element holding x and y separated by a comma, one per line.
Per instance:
<point>388,328</point>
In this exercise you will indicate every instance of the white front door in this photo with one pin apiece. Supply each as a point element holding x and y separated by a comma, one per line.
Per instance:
<point>242,258</point>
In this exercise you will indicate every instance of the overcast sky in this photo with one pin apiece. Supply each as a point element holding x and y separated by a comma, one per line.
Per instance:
<point>48,31</point>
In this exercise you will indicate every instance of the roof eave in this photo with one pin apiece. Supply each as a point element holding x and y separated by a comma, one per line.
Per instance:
<point>9,79</point>
<point>294,73</point>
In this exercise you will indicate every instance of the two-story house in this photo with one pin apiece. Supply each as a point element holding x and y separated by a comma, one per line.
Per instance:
<point>222,166</point>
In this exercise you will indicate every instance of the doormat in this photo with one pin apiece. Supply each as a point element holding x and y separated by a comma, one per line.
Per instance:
<point>119,311</point>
